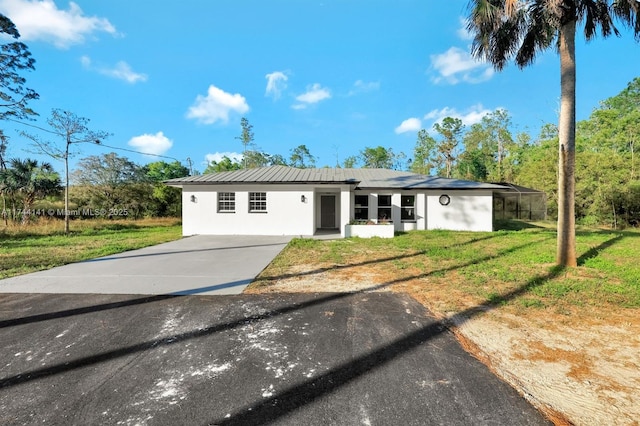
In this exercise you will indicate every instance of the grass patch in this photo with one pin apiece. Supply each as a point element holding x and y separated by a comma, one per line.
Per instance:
<point>43,245</point>
<point>511,267</point>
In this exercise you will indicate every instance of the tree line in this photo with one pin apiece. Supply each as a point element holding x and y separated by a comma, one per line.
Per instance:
<point>106,185</point>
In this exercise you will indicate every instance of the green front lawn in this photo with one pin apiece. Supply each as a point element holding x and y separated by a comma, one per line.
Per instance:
<point>461,269</point>
<point>31,248</point>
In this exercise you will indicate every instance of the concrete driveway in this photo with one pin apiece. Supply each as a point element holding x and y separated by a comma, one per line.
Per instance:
<point>287,359</point>
<point>194,265</point>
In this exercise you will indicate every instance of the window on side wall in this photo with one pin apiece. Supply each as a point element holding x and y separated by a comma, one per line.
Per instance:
<point>226,202</point>
<point>257,202</point>
<point>362,207</point>
<point>408,208</point>
<point>384,207</point>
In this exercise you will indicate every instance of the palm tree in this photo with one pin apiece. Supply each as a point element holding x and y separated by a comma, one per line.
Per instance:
<point>518,30</point>
<point>5,190</point>
<point>31,180</point>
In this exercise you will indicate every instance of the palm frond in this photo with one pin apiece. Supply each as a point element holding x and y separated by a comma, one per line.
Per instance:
<point>506,29</point>
<point>538,33</point>
<point>519,29</point>
<point>506,41</point>
<point>595,15</point>
<point>628,11</point>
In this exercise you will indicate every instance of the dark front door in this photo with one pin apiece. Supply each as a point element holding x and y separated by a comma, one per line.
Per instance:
<point>327,211</point>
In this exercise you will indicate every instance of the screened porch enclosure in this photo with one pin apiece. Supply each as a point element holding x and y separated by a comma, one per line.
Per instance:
<point>519,202</point>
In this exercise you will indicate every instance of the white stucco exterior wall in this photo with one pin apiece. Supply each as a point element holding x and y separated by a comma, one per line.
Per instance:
<point>286,213</point>
<point>345,209</point>
<point>421,211</point>
<point>395,212</point>
<point>467,211</point>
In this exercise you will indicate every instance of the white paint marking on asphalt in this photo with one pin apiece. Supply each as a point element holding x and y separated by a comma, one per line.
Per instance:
<point>266,393</point>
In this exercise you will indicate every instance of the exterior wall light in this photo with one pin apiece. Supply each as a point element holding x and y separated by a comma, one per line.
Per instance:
<point>444,200</point>
<point>303,199</point>
<point>194,199</point>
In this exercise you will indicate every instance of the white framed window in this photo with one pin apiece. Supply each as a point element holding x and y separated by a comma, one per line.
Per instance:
<point>257,202</point>
<point>384,207</point>
<point>362,207</point>
<point>408,208</point>
<point>226,202</point>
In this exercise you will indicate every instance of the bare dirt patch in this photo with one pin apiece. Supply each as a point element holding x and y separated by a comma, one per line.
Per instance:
<point>580,366</point>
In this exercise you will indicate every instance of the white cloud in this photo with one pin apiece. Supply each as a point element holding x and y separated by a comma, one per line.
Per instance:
<point>42,20</point>
<point>462,32</point>
<point>470,116</point>
<point>151,144</point>
<point>217,156</point>
<point>121,71</point>
<point>216,106</point>
<point>314,94</point>
<point>276,84</point>
<point>456,65</point>
<point>409,125</point>
<point>362,87</point>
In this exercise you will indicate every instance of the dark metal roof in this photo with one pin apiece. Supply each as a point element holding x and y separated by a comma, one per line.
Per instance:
<point>512,187</point>
<point>362,178</point>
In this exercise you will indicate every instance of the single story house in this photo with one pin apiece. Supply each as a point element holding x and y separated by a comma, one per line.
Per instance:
<point>281,200</point>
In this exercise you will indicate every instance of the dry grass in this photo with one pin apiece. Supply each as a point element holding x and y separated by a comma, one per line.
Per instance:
<point>55,226</point>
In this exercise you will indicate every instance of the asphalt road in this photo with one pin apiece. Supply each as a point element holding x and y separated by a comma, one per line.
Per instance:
<point>288,359</point>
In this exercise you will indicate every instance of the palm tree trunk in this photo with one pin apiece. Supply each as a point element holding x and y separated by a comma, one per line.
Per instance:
<point>4,210</point>
<point>566,250</point>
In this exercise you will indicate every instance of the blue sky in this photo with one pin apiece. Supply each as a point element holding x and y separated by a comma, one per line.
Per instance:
<point>175,78</point>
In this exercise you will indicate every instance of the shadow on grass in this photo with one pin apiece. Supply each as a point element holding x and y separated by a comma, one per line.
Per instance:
<point>280,404</point>
<point>262,282</point>
<point>624,233</point>
<point>94,230</point>
<point>595,251</point>
<point>514,225</point>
